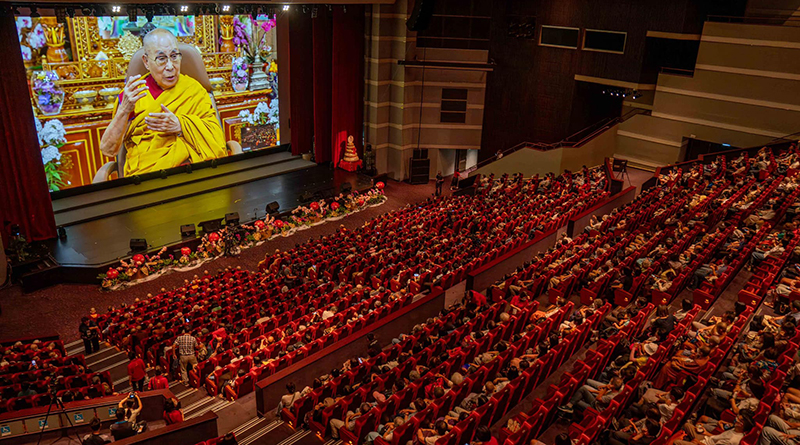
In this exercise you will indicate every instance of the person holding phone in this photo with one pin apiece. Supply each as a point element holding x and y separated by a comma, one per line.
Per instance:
<point>131,406</point>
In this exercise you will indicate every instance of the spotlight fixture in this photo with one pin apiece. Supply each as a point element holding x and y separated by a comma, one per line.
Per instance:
<point>226,8</point>
<point>149,13</point>
<point>314,12</point>
<point>71,12</point>
<point>132,14</point>
<point>116,9</point>
<point>86,11</point>
<point>35,12</point>
<point>184,8</point>
<point>330,8</point>
<point>286,7</point>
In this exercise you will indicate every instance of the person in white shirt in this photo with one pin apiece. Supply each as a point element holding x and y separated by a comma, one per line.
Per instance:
<point>699,436</point>
<point>779,431</point>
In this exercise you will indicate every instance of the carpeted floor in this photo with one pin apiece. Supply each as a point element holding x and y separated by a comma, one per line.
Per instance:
<point>59,309</point>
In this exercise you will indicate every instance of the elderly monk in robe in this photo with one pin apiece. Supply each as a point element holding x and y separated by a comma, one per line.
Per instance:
<point>165,119</point>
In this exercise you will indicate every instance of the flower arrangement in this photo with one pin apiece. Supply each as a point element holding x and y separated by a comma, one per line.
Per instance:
<point>49,96</point>
<point>239,33</point>
<point>31,38</point>
<point>52,136</point>
<point>143,267</point>
<point>263,114</point>
<point>254,46</point>
<point>239,76</point>
<point>35,38</point>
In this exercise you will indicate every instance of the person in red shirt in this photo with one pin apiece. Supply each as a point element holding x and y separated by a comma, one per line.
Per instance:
<point>137,371</point>
<point>158,382</point>
<point>172,412</point>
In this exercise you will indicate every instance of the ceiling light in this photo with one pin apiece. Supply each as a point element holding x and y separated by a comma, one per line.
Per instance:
<point>184,8</point>
<point>285,7</point>
<point>116,8</point>
<point>226,8</point>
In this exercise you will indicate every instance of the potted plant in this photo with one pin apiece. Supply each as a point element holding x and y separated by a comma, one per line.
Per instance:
<point>239,76</point>
<point>49,96</point>
<point>52,136</point>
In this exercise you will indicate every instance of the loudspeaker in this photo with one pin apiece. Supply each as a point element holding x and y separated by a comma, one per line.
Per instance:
<point>210,226</point>
<point>421,15</point>
<point>346,187</point>
<point>272,208</point>
<point>231,219</point>
<point>138,244</point>
<point>306,196</point>
<point>188,230</point>
<point>420,171</point>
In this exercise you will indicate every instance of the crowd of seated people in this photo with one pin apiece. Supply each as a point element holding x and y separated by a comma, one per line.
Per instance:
<point>305,294</point>
<point>487,360</point>
<point>31,372</point>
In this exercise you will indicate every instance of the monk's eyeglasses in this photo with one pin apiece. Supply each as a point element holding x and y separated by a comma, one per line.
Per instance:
<point>162,59</point>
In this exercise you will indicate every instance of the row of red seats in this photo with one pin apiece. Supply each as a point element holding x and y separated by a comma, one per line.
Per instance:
<point>511,394</point>
<point>296,413</point>
<point>244,384</point>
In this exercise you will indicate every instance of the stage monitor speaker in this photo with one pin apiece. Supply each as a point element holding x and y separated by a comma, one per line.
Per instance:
<point>306,196</point>
<point>188,230</point>
<point>210,226</point>
<point>272,208</point>
<point>232,219</point>
<point>421,15</point>
<point>138,245</point>
<point>346,187</point>
<point>420,171</point>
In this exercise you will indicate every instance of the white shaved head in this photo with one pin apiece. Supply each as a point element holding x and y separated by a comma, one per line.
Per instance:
<point>161,43</point>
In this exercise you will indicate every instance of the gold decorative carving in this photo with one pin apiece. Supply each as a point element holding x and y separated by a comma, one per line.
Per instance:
<point>88,41</point>
<point>128,45</point>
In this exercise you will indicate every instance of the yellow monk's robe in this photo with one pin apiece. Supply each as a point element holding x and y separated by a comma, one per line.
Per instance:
<point>201,139</point>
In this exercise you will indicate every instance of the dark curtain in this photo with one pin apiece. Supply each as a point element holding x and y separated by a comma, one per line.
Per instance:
<point>301,85</point>
<point>322,29</point>
<point>24,197</point>
<point>347,85</point>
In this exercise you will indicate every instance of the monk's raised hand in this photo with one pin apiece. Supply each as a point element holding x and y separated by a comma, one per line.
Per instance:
<point>135,89</point>
<point>164,122</point>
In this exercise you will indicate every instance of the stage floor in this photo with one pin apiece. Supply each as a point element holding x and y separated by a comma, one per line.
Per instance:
<point>98,240</point>
<point>101,203</point>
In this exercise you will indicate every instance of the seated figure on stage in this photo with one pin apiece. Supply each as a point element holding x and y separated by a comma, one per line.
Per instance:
<point>165,119</point>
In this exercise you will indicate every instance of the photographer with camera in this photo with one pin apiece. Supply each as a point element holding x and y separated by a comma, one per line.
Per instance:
<point>128,411</point>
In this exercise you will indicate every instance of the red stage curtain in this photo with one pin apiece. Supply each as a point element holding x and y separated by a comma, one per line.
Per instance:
<point>322,30</point>
<point>301,85</point>
<point>24,197</point>
<point>348,79</point>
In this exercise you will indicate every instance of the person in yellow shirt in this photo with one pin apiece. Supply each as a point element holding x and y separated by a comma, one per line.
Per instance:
<point>164,118</point>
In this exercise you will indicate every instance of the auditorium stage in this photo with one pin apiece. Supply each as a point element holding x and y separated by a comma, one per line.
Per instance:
<point>99,225</point>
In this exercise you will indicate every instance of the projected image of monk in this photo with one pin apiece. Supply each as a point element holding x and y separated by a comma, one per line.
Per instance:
<point>164,118</point>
